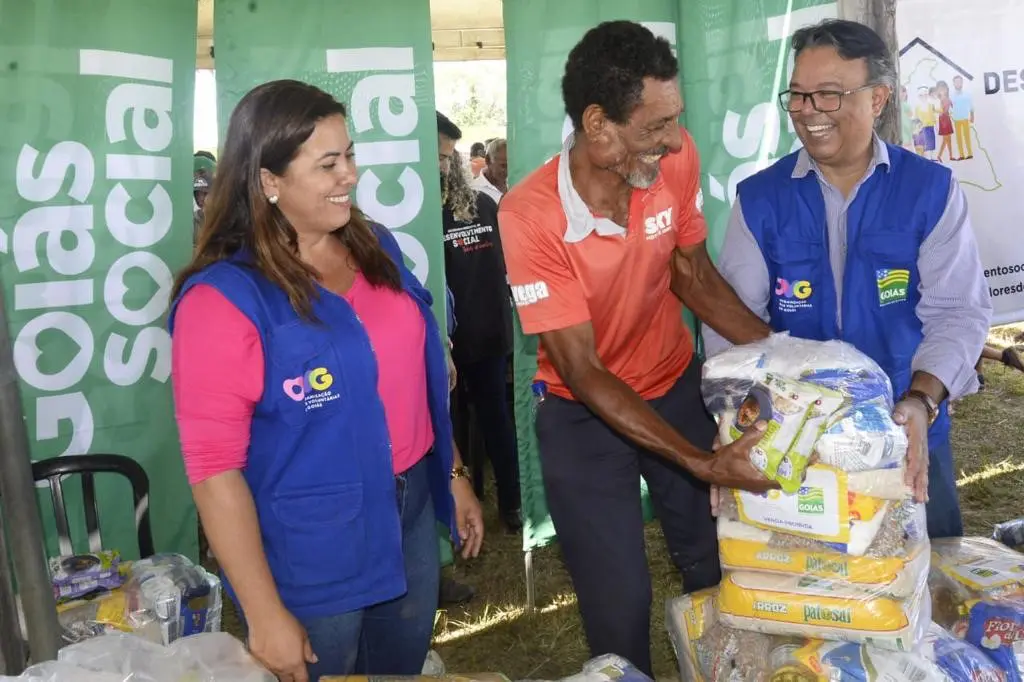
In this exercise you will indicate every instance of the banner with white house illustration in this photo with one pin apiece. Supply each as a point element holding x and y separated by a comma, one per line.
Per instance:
<point>962,82</point>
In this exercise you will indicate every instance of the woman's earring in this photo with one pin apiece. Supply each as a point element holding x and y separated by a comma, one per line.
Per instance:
<point>272,199</point>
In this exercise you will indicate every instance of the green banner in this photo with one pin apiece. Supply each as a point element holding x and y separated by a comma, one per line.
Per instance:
<point>735,59</point>
<point>538,37</point>
<point>95,217</point>
<point>377,59</point>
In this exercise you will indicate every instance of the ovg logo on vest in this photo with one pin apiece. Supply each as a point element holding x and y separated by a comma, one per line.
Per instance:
<point>312,388</point>
<point>892,286</point>
<point>794,295</point>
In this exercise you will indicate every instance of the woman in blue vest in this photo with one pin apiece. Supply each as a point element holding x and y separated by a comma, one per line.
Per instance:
<point>311,389</point>
<point>852,238</point>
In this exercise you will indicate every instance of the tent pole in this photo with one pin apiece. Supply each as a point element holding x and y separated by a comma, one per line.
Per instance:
<point>12,652</point>
<point>18,507</point>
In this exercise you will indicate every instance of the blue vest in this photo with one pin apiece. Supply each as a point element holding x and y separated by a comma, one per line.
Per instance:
<point>319,462</point>
<point>893,213</point>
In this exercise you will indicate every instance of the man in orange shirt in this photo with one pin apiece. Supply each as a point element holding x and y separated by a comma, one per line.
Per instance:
<point>603,245</point>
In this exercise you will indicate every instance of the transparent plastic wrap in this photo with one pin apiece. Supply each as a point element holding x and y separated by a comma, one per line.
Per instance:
<point>168,597</point>
<point>607,668</point>
<point>709,651</point>
<point>855,514</point>
<point>958,660</point>
<point>844,559</point>
<point>790,605</point>
<point>86,618</point>
<point>817,661</point>
<point>969,569</point>
<point>978,593</point>
<point>78,575</point>
<point>1010,533</point>
<point>849,427</point>
<point>214,657</point>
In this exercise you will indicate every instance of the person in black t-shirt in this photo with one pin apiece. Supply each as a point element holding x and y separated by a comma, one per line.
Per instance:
<point>475,270</point>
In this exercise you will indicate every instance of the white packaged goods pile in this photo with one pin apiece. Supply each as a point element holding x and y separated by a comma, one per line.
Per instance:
<point>841,552</point>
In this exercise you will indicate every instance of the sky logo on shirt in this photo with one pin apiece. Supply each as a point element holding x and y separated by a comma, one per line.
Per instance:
<point>312,388</point>
<point>892,286</point>
<point>660,224</point>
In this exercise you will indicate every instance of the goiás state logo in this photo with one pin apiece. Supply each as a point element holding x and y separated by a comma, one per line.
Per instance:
<point>892,286</point>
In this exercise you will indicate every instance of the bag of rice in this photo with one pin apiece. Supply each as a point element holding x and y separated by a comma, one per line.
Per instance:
<point>790,605</point>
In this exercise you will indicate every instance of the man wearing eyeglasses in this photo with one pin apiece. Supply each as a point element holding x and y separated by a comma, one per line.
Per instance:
<point>854,239</point>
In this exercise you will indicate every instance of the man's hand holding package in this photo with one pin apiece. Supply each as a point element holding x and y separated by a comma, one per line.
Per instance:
<point>913,417</point>
<point>730,465</point>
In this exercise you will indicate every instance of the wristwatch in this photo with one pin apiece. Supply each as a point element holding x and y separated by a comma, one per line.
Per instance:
<point>929,403</point>
<point>460,472</point>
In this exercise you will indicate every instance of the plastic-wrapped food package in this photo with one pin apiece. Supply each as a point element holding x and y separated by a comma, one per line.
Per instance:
<point>827,563</point>
<point>796,413</point>
<point>1010,533</point>
<point>791,605</point>
<point>709,651</point>
<point>86,618</point>
<point>168,597</point>
<point>819,661</point>
<point>607,668</point>
<point>859,435</point>
<point>965,570</point>
<point>834,510</point>
<point>960,661</point>
<point>81,574</point>
<point>978,592</point>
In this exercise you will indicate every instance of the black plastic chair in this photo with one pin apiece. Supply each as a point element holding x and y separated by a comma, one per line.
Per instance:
<point>53,472</point>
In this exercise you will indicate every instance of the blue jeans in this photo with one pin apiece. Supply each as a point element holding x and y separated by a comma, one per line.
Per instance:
<point>392,638</point>
<point>944,519</point>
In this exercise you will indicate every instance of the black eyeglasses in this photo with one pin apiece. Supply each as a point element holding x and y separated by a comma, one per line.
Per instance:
<point>824,101</point>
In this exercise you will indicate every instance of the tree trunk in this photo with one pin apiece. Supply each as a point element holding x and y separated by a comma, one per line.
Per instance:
<point>881,16</point>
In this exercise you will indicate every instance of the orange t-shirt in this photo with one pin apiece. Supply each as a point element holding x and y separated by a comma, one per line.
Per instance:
<point>567,266</point>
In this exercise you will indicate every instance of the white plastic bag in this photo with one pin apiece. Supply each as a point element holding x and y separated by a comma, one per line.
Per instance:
<point>213,657</point>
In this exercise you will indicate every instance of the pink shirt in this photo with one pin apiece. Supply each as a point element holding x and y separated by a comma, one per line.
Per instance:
<point>213,339</point>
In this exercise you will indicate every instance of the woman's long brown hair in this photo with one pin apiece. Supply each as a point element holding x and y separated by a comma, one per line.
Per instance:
<point>266,130</point>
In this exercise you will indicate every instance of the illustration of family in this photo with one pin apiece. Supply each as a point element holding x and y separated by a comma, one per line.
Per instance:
<point>937,116</point>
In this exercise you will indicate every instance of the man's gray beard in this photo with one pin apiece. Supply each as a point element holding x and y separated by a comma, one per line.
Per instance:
<point>641,180</point>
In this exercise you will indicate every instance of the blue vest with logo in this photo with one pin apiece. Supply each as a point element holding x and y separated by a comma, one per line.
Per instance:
<point>895,210</point>
<point>319,462</point>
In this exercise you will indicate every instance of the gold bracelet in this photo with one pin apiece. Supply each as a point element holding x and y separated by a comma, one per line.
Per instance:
<point>460,472</point>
